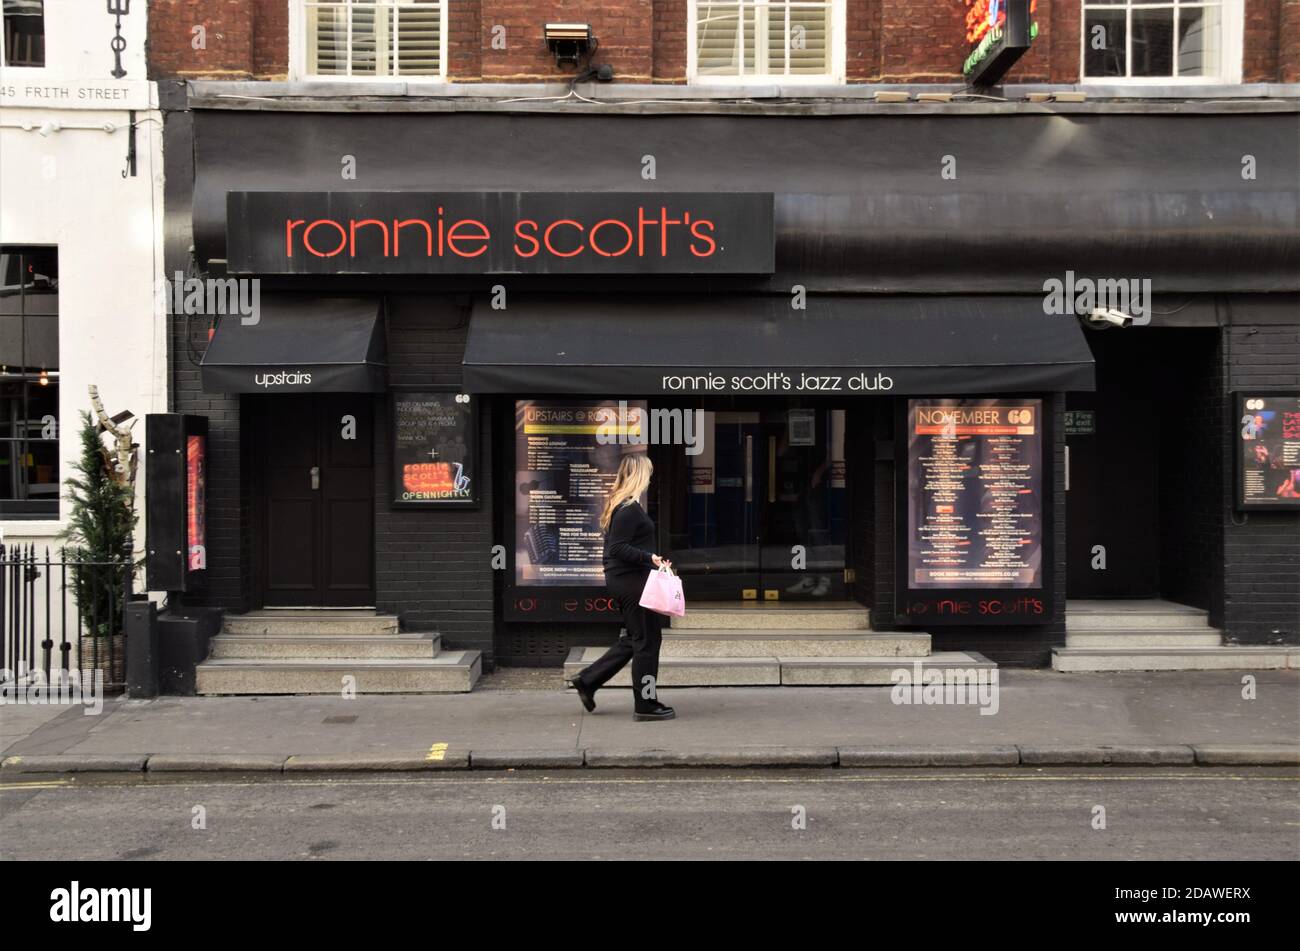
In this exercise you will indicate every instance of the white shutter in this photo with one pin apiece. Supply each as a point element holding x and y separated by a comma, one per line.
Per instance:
<point>374,38</point>
<point>777,38</point>
<point>418,32</point>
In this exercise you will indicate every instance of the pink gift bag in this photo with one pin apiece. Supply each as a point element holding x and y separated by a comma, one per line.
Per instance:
<point>663,594</point>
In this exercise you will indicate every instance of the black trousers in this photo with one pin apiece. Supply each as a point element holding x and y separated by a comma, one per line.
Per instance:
<point>640,646</point>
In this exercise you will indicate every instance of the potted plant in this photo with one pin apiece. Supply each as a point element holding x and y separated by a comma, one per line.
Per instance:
<point>98,545</point>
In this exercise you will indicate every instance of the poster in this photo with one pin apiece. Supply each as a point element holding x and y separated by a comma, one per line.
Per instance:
<point>562,476</point>
<point>974,494</point>
<point>434,459</point>
<point>1268,451</point>
<point>196,493</point>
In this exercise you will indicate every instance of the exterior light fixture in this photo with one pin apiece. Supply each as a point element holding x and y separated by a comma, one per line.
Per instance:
<point>44,378</point>
<point>568,42</point>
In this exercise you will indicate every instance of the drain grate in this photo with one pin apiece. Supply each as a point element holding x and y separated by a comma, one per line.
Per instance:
<point>341,719</point>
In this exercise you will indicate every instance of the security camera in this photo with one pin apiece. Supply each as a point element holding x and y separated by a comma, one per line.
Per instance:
<point>1103,318</point>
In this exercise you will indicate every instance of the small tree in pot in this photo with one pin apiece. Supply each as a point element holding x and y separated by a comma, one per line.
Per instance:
<point>99,540</point>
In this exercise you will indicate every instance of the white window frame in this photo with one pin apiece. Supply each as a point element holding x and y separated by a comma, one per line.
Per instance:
<point>1231,41</point>
<point>298,49</point>
<point>837,56</point>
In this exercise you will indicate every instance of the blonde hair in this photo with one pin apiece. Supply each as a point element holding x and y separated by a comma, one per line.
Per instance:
<point>632,480</point>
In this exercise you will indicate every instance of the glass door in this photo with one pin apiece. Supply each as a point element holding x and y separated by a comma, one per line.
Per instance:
<point>759,512</point>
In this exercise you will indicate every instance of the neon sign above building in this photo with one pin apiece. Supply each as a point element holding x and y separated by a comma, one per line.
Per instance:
<point>1000,31</point>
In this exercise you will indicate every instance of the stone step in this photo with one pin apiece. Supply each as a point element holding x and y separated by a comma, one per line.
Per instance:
<point>1185,637</point>
<point>1146,615</point>
<point>774,616</point>
<point>324,646</point>
<point>775,671</point>
<point>793,643</point>
<point>449,672</point>
<point>1078,660</point>
<point>280,623</point>
<point>874,671</point>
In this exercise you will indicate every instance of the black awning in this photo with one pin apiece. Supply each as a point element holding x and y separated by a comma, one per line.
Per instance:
<point>300,344</point>
<point>860,345</point>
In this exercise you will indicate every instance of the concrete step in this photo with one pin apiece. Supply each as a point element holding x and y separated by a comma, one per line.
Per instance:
<point>324,646</point>
<point>1184,637</point>
<point>1146,615</point>
<point>449,672</point>
<point>280,623</point>
<point>774,616</point>
<point>774,671</point>
<point>793,643</point>
<point>1226,657</point>
<point>873,671</point>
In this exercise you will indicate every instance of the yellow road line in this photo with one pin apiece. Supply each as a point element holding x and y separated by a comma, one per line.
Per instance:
<point>437,753</point>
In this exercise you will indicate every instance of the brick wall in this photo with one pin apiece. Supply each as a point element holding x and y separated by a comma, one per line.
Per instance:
<point>622,27</point>
<point>1288,42</point>
<point>1261,549</point>
<point>240,39</point>
<point>434,568</point>
<point>912,41</point>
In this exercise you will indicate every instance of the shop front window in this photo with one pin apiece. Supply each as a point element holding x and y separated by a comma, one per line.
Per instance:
<point>29,382</point>
<point>374,38</point>
<point>1169,41</point>
<point>24,32</point>
<point>784,40</point>
<point>759,513</point>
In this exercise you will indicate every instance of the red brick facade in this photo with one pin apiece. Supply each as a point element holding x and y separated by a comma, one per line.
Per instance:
<point>903,41</point>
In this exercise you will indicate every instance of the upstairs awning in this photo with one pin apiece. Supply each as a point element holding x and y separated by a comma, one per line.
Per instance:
<point>747,345</point>
<point>300,343</point>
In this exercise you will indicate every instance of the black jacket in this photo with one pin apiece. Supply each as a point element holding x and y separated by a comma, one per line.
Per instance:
<point>629,543</point>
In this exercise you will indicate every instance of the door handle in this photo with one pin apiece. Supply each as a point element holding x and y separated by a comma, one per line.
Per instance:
<point>315,478</point>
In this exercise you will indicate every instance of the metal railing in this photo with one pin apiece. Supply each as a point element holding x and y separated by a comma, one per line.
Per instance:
<point>61,613</point>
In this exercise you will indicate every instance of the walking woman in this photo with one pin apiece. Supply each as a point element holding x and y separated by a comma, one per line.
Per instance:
<point>629,559</point>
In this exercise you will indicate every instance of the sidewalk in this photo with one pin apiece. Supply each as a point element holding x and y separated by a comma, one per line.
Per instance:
<point>1043,718</point>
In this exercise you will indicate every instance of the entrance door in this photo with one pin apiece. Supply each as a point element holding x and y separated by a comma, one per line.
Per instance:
<point>759,513</point>
<point>1112,507</point>
<point>317,500</point>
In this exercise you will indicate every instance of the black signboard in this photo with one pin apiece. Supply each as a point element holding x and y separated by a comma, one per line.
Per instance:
<point>175,501</point>
<point>403,232</point>
<point>435,448</point>
<point>1268,450</point>
<point>1002,31</point>
<point>973,513</point>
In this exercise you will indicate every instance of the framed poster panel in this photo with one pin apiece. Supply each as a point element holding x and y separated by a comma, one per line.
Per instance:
<point>974,494</point>
<point>434,440</point>
<point>567,452</point>
<point>1267,440</point>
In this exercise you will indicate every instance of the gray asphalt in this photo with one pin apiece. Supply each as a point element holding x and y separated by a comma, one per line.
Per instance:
<point>1199,813</point>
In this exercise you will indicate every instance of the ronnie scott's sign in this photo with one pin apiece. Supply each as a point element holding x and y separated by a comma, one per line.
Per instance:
<point>404,232</point>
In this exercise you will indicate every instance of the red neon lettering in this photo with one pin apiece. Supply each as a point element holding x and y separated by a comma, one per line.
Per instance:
<point>453,237</point>
<point>519,232</point>
<point>343,237</point>
<point>631,239</point>
<point>546,237</point>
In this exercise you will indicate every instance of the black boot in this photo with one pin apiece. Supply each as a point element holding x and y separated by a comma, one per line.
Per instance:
<point>658,712</point>
<point>585,693</point>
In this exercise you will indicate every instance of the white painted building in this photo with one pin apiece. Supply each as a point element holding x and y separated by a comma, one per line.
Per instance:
<point>81,191</point>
